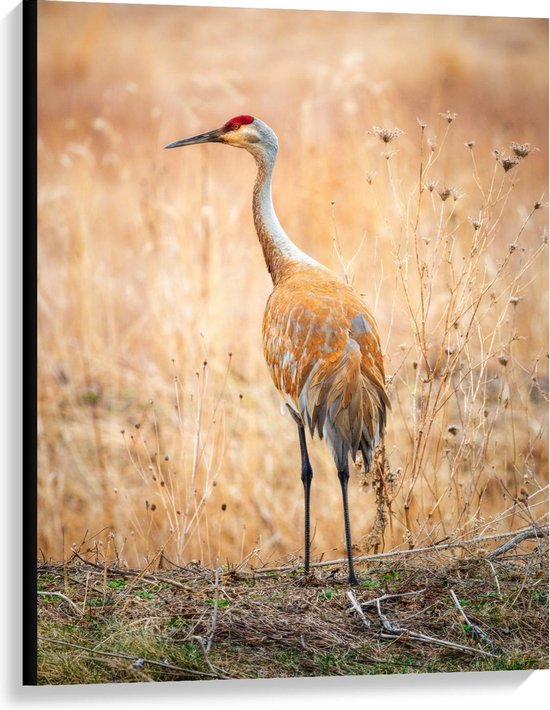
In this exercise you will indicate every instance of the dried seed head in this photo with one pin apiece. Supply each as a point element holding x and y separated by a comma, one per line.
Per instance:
<point>475,222</point>
<point>421,123</point>
<point>449,116</point>
<point>386,134</point>
<point>506,161</point>
<point>447,192</point>
<point>456,194</point>
<point>522,150</point>
<point>432,144</point>
<point>430,186</point>
<point>503,360</point>
<point>514,300</point>
<point>453,429</point>
<point>512,248</point>
<point>509,163</point>
<point>370,177</point>
<point>523,495</point>
<point>470,144</point>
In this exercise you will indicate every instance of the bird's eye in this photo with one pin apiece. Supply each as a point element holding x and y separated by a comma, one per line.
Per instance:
<point>237,122</point>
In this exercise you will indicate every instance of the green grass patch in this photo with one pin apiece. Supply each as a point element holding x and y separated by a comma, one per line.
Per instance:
<point>225,627</point>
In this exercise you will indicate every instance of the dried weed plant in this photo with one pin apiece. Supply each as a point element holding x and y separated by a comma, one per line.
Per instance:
<point>473,414</point>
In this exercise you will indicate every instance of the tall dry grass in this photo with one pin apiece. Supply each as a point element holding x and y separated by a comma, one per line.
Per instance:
<point>158,425</point>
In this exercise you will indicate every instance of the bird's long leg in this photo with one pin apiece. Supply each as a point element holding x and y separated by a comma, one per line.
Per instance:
<point>343,475</point>
<point>307,475</point>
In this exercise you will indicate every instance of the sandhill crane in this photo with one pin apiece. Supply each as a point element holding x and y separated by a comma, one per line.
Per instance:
<point>320,341</point>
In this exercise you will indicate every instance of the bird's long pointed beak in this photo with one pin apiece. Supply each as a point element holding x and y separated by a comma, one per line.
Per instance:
<point>209,137</point>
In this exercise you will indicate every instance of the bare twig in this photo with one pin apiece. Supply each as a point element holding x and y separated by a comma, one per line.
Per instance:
<point>59,595</point>
<point>134,659</point>
<point>474,628</point>
<point>130,573</point>
<point>200,641</point>
<point>245,559</point>
<point>210,635</point>
<point>413,636</point>
<point>527,534</point>
<point>541,531</point>
<point>389,626</point>
<point>495,577</point>
<point>392,596</point>
<point>355,604</point>
<point>395,631</point>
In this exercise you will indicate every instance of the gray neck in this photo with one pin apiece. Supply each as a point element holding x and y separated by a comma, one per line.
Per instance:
<point>277,247</point>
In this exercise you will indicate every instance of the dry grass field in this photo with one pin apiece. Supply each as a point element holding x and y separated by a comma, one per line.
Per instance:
<point>159,427</point>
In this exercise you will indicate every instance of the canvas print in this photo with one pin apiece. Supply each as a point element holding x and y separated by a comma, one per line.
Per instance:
<point>293,343</point>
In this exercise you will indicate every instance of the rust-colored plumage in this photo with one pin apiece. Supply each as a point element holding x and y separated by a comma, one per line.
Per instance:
<point>321,344</point>
<point>323,352</point>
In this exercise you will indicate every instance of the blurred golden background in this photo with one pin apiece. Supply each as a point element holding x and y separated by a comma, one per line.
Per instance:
<point>159,426</point>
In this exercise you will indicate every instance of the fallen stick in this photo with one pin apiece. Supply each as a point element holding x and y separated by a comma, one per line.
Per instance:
<point>212,630</point>
<point>204,651</point>
<point>65,599</point>
<point>475,629</point>
<point>398,633</point>
<point>134,659</point>
<point>392,596</point>
<point>413,636</point>
<point>131,573</point>
<point>515,541</point>
<point>355,604</point>
<point>528,532</point>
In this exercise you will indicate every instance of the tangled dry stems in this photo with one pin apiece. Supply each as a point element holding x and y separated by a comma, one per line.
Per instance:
<point>418,613</point>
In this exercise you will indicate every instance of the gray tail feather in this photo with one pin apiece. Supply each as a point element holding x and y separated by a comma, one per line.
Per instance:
<point>366,451</point>
<point>367,444</point>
